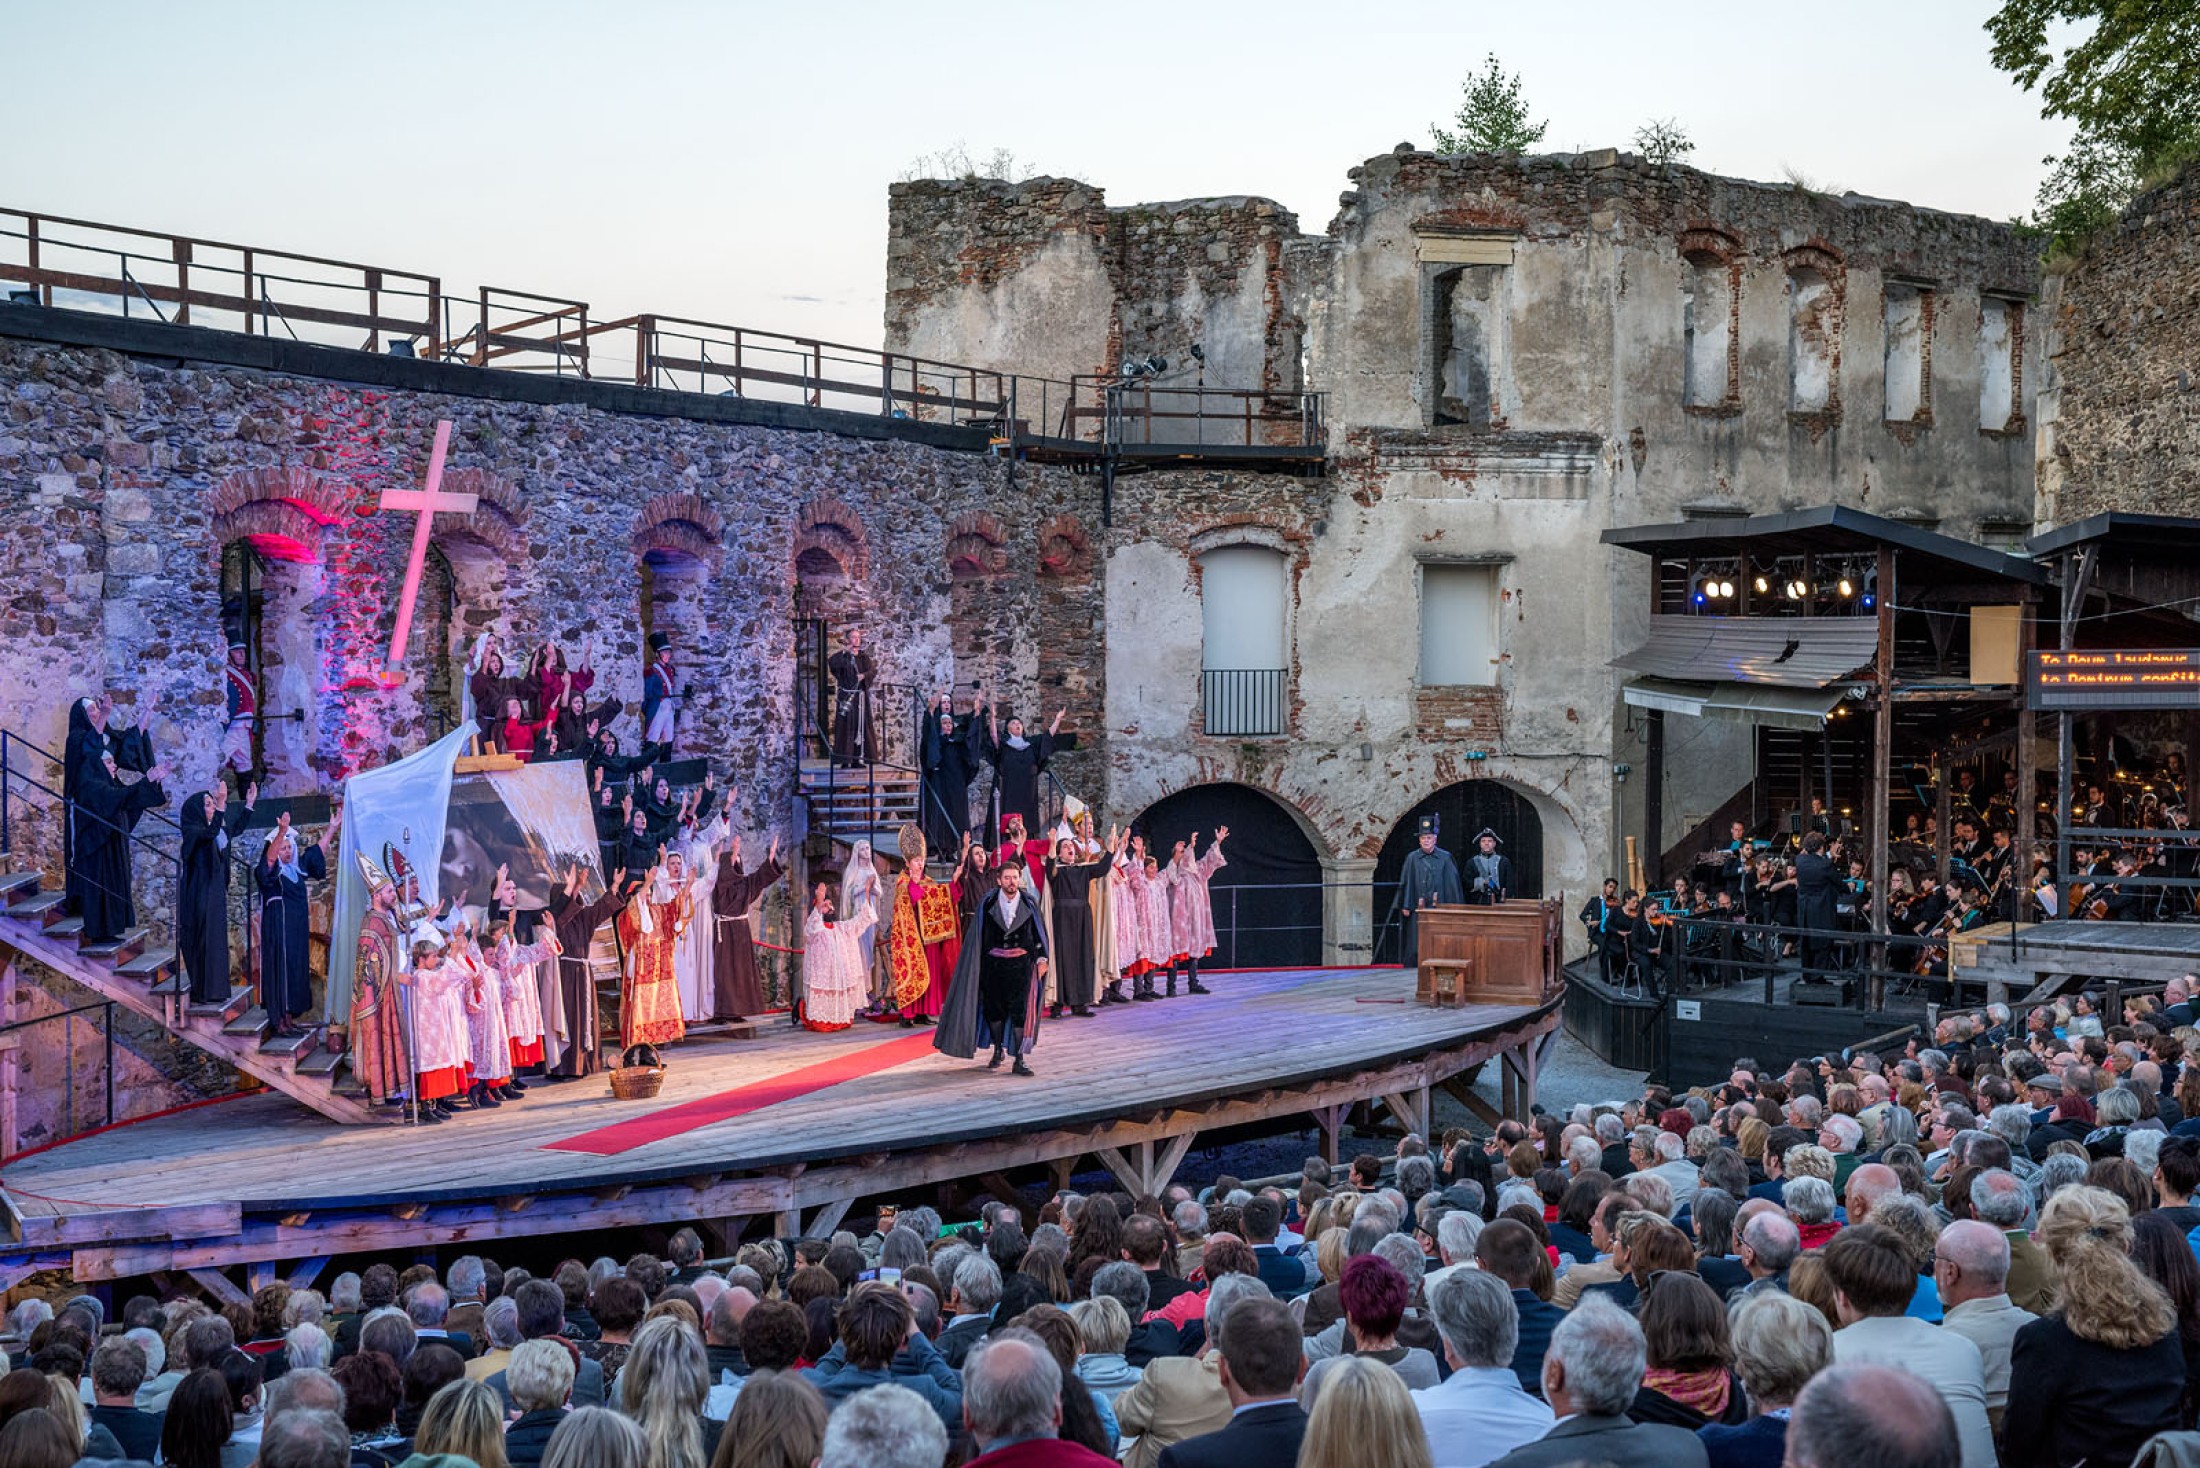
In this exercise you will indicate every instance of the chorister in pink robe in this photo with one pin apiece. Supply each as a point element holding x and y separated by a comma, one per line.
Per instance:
<point>1156,939</point>
<point>1123,911</point>
<point>836,978</point>
<point>514,966</point>
<point>1191,908</point>
<point>489,1038</point>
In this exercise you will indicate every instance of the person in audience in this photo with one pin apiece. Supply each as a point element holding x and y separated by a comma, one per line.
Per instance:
<point>1874,1281</point>
<point>972,1295</point>
<point>1851,1415</point>
<point>1375,1296</point>
<point>464,1418</point>
<point>1780,1344</point>
<point>886,1427</point>
<point>662,1387</point>
<point>1012,1405</point>
<point>597,1437</point>
<point>877,1344</point>
<point>118,1370</point>
<point>1104,1327</point>
<point>1508,1250</point>
<point>1971,1277</point>
<point>1480,1411</point>
<point>541,1306</point>
<point>1689,1381</point>
<point>1179,1397</point>
<point>2104,1371</point>
<point>540,1379</point>
<point>1590,1376</point>
<point>1259,1363</point>
<point>2000,1198</point>
<point>372,1389</point>
<point>198,1422</point>
<point>1364,1419</point>
<point>2160,1249</point>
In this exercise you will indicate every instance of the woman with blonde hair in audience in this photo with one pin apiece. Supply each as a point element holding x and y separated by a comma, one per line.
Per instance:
<point>596,1437</point>
<point>662,1387</point>
<point>1104,1330</point>
<point>1780,1343</point>
<point>1363,1418</point>
<point>1809,1282</point>
<point>1752,1135</point>
<point>465,1418</point>
<point>778,1421</point>
<point>2104,1371</point>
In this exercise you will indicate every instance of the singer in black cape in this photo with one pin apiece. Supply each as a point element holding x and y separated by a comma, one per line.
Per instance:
<point>981,1003</point>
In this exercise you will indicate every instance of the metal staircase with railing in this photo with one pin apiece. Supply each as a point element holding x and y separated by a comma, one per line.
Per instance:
<point>146,978</point>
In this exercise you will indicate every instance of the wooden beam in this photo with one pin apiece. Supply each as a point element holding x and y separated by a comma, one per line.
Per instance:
<point>259,1274</point>
<point>1170,1159</point>
<point>1331,1121</point>
<point>21,1267</point>
<point>1466,1096</point>
<point>220,1286</point>
<point>308,1270</point>
<point>996,1182</point>
<point>827,1218</point>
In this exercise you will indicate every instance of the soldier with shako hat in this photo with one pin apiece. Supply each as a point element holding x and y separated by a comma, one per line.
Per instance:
<point>659,690</point>
<point>1429,878</point>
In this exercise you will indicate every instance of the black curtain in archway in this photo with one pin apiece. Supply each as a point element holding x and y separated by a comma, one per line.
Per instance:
<point>1268,899</point>
<point>1462,811</point>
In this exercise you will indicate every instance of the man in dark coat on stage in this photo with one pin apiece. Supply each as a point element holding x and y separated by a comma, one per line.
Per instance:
<point>210,827</point>
<point>1489,871</point>
<point>855,742</point>
<point>738,988</point>
<point>994,996</point>
<point>575,922</point>
<point>284,868</point>
<point>1429,878</point>
<point>949,756</point>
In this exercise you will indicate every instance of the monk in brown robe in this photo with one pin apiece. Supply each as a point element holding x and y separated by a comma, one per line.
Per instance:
<point>738,989</point>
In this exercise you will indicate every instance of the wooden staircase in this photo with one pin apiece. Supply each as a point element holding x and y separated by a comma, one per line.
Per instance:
<point>150,982</point>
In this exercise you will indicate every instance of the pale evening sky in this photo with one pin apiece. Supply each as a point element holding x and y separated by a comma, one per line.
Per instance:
<point>730,161</point>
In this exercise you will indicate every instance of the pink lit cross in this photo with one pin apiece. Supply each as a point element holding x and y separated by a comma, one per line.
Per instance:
<point>425,502</point>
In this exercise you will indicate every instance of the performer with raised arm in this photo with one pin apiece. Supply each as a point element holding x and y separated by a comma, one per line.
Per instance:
<point>575,923</point>
<point>739,987</point>
<point>660,692</point>
<point>440,1044</point>
<point>1429,878</point>
<point>210,826</point>
<point>1071,871</point>
<point>995,994</point>
<point>1192,907</point>
<point>1017,763</point>
<point>283,871</point>
<point>835,973</point>
<point>948,755</point>
<point>1490,873</point>
<point>855,741</point>
<point>649,1007</point>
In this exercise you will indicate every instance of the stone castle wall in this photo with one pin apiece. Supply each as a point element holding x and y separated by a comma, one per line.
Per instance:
<point>2120,412</point>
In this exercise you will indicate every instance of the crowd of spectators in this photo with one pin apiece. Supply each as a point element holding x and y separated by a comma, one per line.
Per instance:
<point>1975,1252</point>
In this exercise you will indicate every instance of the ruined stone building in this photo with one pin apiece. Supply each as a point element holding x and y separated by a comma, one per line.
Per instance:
<point>1516,353</point>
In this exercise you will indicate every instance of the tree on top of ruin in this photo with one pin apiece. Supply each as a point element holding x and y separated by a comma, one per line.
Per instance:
<point>1493,118</point>
<point>2130,86</point>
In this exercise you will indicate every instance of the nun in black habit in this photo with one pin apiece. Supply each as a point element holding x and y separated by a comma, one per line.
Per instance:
<point>950,759</point>
<point>284,868</point>
<point>91,740</point>
<point>210,826</point>
<point>107,811</point>
<point>1017,762</point>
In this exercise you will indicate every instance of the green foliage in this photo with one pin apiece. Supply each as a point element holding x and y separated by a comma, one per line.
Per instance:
<point>2130,85</point>
<point>1662,140</point>
<point>1493,118</point>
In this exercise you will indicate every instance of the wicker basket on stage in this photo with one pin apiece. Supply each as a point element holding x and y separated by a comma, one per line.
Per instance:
<point>637,1082</point>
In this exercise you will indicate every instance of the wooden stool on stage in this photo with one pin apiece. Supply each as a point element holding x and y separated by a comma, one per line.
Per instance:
<point>1443,981</point>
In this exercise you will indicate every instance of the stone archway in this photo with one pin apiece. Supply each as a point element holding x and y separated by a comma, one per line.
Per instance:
<point>1462,810</point>
<point>1268,897</point>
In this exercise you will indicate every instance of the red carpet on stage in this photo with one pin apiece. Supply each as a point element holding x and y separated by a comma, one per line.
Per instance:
<point>851,1065</point>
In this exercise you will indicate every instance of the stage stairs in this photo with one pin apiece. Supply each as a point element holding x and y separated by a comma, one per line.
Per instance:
<point>861,804</point>
<point>149,981</point>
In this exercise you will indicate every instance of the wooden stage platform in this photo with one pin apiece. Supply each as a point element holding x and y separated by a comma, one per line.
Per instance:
<point>2039,959</point>
<point>264,1185</point>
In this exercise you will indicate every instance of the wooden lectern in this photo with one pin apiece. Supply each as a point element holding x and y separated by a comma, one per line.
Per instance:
<point>1508,954</point>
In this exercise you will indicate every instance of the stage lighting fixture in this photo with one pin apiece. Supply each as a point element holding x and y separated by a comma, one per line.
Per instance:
<point>1848,588</point>
<point>1796,590</point>
<point>23,298</point>
<point>401,347</point>
<point>1726,589</point>
<point>1763,585</point>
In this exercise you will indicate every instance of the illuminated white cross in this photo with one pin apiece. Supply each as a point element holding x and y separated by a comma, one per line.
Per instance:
<point>426,502</point>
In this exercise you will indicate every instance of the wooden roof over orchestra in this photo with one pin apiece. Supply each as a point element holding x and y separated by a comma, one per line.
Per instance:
<point>1830,530</point>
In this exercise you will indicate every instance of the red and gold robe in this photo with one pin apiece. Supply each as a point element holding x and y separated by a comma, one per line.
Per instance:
<point>924,942</point>
<point>377,1023</point>
<point>649,995</point>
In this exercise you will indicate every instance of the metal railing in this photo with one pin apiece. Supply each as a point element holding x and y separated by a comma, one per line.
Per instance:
<point>1247,702</point>
<point>68,1126</point>
<point>84,265</point>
